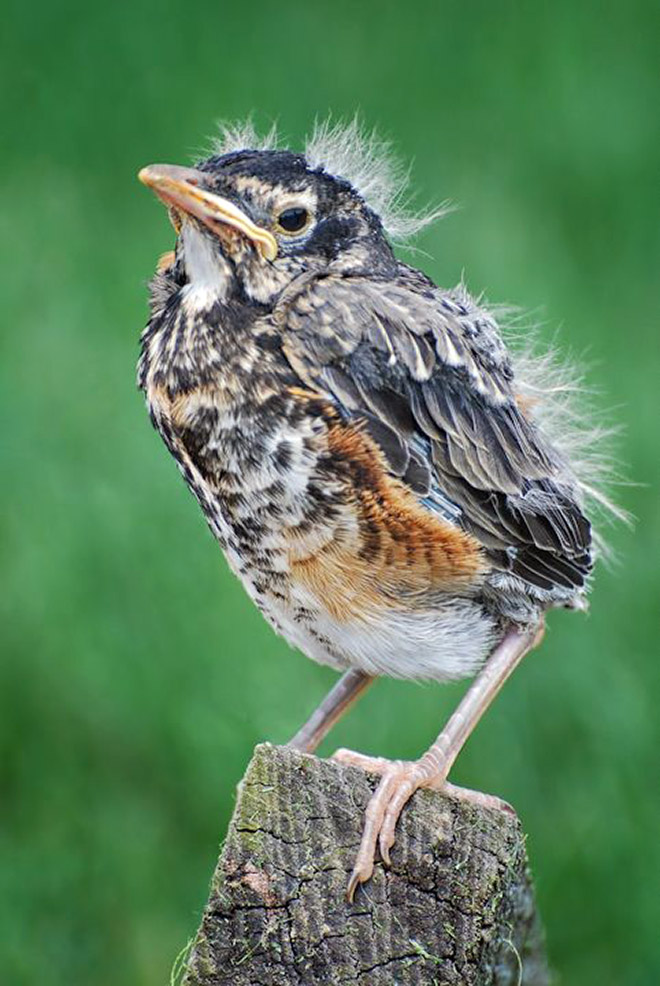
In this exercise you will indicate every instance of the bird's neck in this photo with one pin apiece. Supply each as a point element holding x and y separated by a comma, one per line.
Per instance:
<point>216,385</point>
<point>191,342</point>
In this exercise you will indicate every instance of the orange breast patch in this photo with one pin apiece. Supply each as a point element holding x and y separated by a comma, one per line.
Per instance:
<point>388,551</point>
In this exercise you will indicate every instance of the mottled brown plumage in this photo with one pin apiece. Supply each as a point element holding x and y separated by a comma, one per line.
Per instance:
<point>357,438</point>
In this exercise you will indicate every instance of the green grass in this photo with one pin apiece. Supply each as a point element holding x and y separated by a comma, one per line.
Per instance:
<point>135,675</point>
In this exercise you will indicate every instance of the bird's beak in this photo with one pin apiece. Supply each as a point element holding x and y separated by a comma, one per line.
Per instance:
<point>181,189</point>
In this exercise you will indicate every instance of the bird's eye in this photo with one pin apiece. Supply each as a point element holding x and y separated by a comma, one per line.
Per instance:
<point>293,220</point>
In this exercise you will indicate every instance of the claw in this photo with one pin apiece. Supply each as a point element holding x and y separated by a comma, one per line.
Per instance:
<point>387,838</point>
<point>385,851</point>
<point>358,876</point>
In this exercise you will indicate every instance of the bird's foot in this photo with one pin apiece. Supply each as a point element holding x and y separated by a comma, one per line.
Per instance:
<point>399,781</point>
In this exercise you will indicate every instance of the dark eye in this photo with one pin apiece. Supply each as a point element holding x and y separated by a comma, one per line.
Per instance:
<point>293,220</point>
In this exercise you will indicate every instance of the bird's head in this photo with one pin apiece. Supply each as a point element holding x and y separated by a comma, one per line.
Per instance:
<point>251,219</point>
<point>249,222</point>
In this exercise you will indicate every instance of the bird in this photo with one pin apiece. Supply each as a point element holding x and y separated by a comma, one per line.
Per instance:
<point>401,492</point>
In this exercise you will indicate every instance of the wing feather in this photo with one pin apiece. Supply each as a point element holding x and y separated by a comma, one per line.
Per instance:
<point>429,375</point>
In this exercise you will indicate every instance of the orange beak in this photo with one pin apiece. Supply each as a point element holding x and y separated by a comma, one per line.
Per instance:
<point>181,189</point>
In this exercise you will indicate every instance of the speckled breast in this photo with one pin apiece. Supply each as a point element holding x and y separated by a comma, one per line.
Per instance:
<point>339,556</point>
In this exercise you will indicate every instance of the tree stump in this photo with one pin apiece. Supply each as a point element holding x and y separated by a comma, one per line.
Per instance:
<point>456,906</point>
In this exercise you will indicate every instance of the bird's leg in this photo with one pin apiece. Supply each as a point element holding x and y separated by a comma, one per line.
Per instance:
<point>400,779</point>
<point>338,700</point>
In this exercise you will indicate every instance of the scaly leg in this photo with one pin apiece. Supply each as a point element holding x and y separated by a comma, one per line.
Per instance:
<point>400,779</point>
<point>347,690</point>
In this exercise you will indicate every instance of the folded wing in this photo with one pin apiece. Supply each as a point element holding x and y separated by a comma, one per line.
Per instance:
<point>429,375</point>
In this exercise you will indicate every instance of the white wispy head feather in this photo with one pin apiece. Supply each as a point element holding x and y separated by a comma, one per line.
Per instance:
<point>241,135</point>
<point>348,151</point>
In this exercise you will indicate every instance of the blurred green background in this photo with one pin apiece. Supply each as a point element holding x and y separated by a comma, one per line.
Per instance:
<point>136,677</point>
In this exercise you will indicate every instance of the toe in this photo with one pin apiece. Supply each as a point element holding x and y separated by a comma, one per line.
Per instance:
<point>404,787</point>
<point>381,816</point>
<point>478,798</point>
<point>373,820</point>
<point>370,765</point>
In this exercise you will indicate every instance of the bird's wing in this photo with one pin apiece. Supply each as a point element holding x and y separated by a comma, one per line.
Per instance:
<point>430,376</point>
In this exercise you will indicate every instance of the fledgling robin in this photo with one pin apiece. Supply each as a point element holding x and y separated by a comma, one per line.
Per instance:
<point>397,494</point>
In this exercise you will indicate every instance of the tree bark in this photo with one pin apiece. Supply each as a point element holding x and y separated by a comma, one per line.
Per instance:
<point>456,906</point>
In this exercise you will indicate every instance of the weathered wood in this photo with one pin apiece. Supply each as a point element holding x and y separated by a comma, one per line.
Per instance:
<point>456,907</point>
